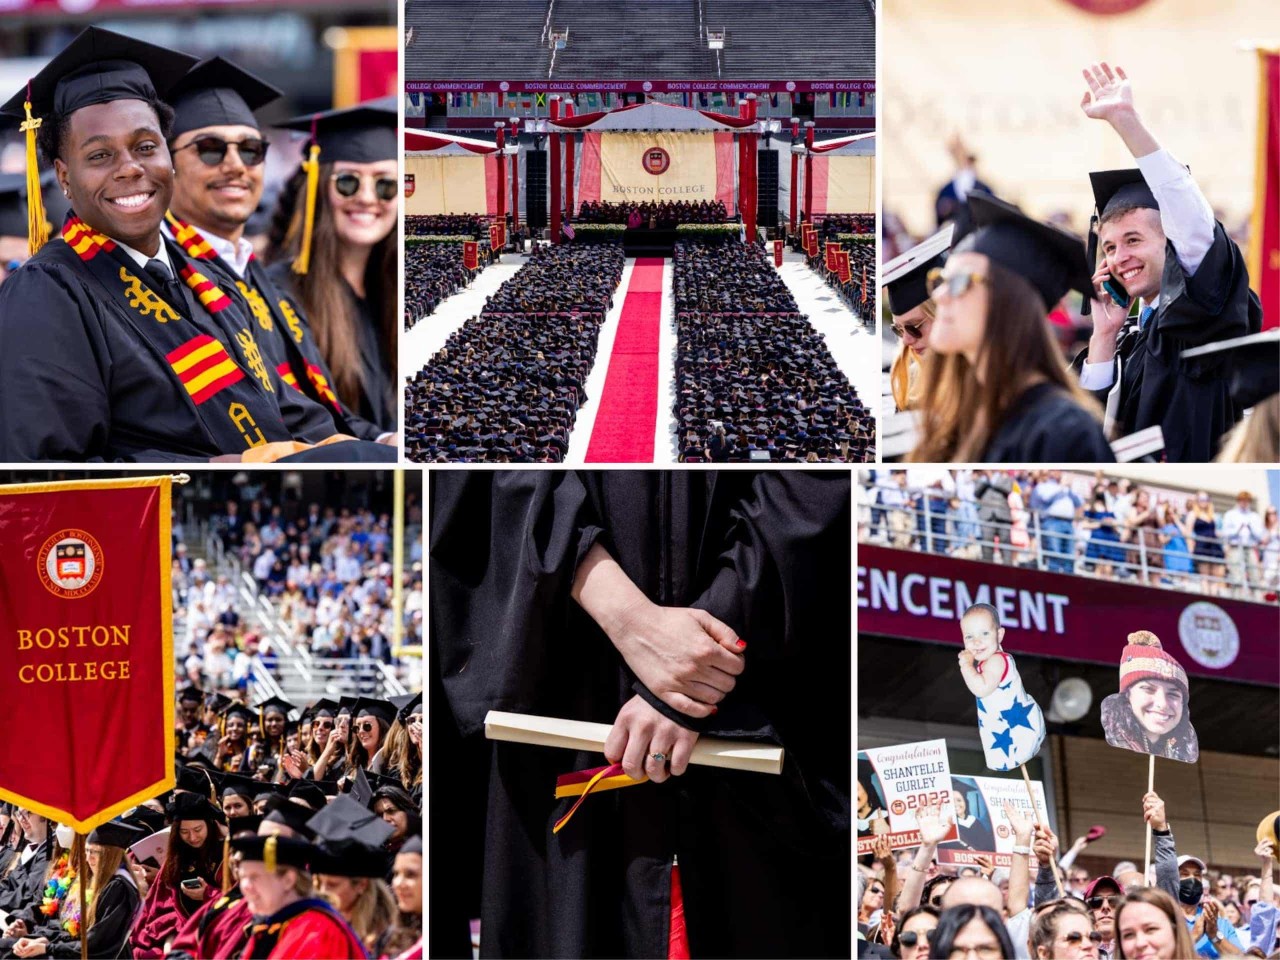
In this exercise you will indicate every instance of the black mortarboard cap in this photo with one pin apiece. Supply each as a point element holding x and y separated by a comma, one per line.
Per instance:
<point>345,820</point>
<point>905,277</point>
<point>191,693</point>
<point>216,702</point>
<point>278,704</point>
<point>405,705</point>
<point>117,833</point>
<point>247,713</point>
<point>365,133</point>
<point>215,93</point>
<point>382,709</point>
<point>1048,257</point>
<point>144,818</point>
<point>234,783</point>
<point>1254,365</point>
<point>361,791</point>
<point>100,66</point>
<point>413,845</point>
<point>323,705</point>
<point>293,815</point>
<point>193,806</point>
<point>246,824</point>
<point>1118,189</point>
<point>195,780</point>
<point>308,793</point>
<point>349,859</point>
<point>346,704</point>
<point>263,788</point>
<point>275,851</point>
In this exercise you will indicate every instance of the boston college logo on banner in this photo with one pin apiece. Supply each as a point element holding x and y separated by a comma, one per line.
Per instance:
<point>656,160</point>
<point>408,184</point>
<point>70,564</point>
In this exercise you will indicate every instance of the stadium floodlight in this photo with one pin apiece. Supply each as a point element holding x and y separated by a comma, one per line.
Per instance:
<point>715,39</point>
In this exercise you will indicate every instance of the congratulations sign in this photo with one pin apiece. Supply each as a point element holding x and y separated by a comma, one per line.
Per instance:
<point>984,829</point>
<point>86,675</point>
<point>893,784</point>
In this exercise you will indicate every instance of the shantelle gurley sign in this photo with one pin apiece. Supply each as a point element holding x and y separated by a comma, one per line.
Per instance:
<point>921,596</point>
<point>895,782</point>
<point>86,647</point>
<point>984,829</point>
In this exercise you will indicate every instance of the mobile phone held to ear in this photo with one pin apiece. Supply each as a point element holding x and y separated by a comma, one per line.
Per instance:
<point>1116,292</point>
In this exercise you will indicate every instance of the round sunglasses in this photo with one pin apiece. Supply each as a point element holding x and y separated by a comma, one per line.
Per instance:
<point>914,329</point>
<point>348,184</point>
<point>956,284</point>
<point>911,938</point>
<point>213,150</point>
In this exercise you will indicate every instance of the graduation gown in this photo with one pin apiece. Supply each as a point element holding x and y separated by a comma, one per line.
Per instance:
<point>108,938</point>
<point>282,330</point>
<point>377,402</point>
<point>165,910</point>
<point>305,928</point>
<point>764,859</point>
<point>1045,425</point>
<point>1189,399</point>
<point>218,929</point>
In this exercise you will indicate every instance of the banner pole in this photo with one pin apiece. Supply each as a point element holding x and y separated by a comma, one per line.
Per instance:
<point>1151,785</point>
<point>80,881</point>
<point>1035,808</point>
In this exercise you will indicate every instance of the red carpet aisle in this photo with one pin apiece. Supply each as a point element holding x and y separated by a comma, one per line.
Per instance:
<point>623,431</point>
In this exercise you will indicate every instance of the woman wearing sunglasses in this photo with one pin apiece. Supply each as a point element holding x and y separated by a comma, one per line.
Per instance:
<point>998,391</point>
<point>1064,932</point>
<point>333,245</point>
<point>915,933</point>
<point>912,314</point>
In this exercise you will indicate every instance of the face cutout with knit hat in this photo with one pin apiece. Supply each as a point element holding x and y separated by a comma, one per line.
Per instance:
<point>1151,713</point>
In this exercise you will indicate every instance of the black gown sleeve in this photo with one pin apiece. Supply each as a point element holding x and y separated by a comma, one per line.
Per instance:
<point>1211,304</point>
<point>504,550</point>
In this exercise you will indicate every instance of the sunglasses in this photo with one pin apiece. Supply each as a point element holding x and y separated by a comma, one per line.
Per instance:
<point>913,329</point>
<point>367,726</point>
<point>348,185</point>
<point>1095,903</point>
<point>956,284</point>
<point>911,938</point>
<point>212,150</point>
<point>1075,936</point>
<point>322,724</point>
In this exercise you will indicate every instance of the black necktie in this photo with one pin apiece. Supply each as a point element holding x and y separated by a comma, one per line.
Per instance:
<point>164,281</point>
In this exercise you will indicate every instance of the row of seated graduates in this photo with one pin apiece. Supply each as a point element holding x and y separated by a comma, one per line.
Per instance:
<point>662,214</point>
<point>748,360</point>
<point>473,226</point>
<point>435,271</point>
<point>507,385</point>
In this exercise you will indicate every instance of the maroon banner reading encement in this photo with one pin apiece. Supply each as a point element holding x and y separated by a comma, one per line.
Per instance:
<point>86,632</point>
<point>921,596</point>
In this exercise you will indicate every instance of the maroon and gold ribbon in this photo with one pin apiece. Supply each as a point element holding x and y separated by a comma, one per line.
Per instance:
<point>581,783</point>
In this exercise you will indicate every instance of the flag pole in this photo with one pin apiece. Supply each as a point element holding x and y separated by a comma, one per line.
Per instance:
<point>397,562</point>
<point>1035,808</point>
<point>80,881</point>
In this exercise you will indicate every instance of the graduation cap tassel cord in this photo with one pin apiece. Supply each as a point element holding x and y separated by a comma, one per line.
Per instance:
<point>312,165</point>
<point>1026,778</point>
<point>226,861</point>
<point>37,223</point>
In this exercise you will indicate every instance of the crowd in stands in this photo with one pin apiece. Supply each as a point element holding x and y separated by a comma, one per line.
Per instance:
<point>470,225</point>
<point>909,907</point>
<point>663,214</point>
<point>283,836</point>
<point>831,224</point>
<point>754,380</point>
<point>433,272</point>
<point>1102,526</point>
<point>507,385</point>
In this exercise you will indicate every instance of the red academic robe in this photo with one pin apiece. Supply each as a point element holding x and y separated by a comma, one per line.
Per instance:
<point>306,928</point>
<point>218,929</point>
<point>163,912</point>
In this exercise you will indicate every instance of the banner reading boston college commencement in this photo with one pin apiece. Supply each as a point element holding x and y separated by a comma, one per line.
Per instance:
<point>86,647</point>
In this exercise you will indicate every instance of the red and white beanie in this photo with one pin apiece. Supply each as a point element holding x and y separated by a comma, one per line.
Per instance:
<point>1145,659</point>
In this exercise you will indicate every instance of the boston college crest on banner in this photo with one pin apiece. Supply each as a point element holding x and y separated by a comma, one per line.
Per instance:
<point>70,564</point>
<point>656,160</point>
<point>408,184</point>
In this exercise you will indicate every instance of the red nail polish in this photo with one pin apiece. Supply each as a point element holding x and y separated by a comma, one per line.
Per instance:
<point>742,644</point>
<point>715,709</point>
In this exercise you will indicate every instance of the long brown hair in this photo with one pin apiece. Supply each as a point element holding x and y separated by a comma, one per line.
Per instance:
<point>110,860</point>
<point>208,858</point>
<point>959,413</point>
<point>906,375</point>
<point>403,754</point>
<point>356,754</point>
<point>1157,898</point>
<point>323,293</point>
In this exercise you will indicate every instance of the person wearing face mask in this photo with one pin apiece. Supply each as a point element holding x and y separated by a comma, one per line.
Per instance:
<point>1212,935</point>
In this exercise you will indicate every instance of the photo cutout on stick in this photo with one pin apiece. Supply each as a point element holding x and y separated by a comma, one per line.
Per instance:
<point>1152,712</point>
<point>1009,719</point>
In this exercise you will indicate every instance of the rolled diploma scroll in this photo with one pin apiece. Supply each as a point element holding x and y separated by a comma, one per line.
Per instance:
<point>583,735</point>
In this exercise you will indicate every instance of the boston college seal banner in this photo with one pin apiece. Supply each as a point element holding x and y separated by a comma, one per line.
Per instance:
<point>657,166</point>
<point>86,647</point>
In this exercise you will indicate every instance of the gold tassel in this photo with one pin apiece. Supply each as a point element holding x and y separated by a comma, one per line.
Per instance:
<point>269,854</point>
<point>37,223</point>
<point>312,165</point>
<point>226,862</point>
